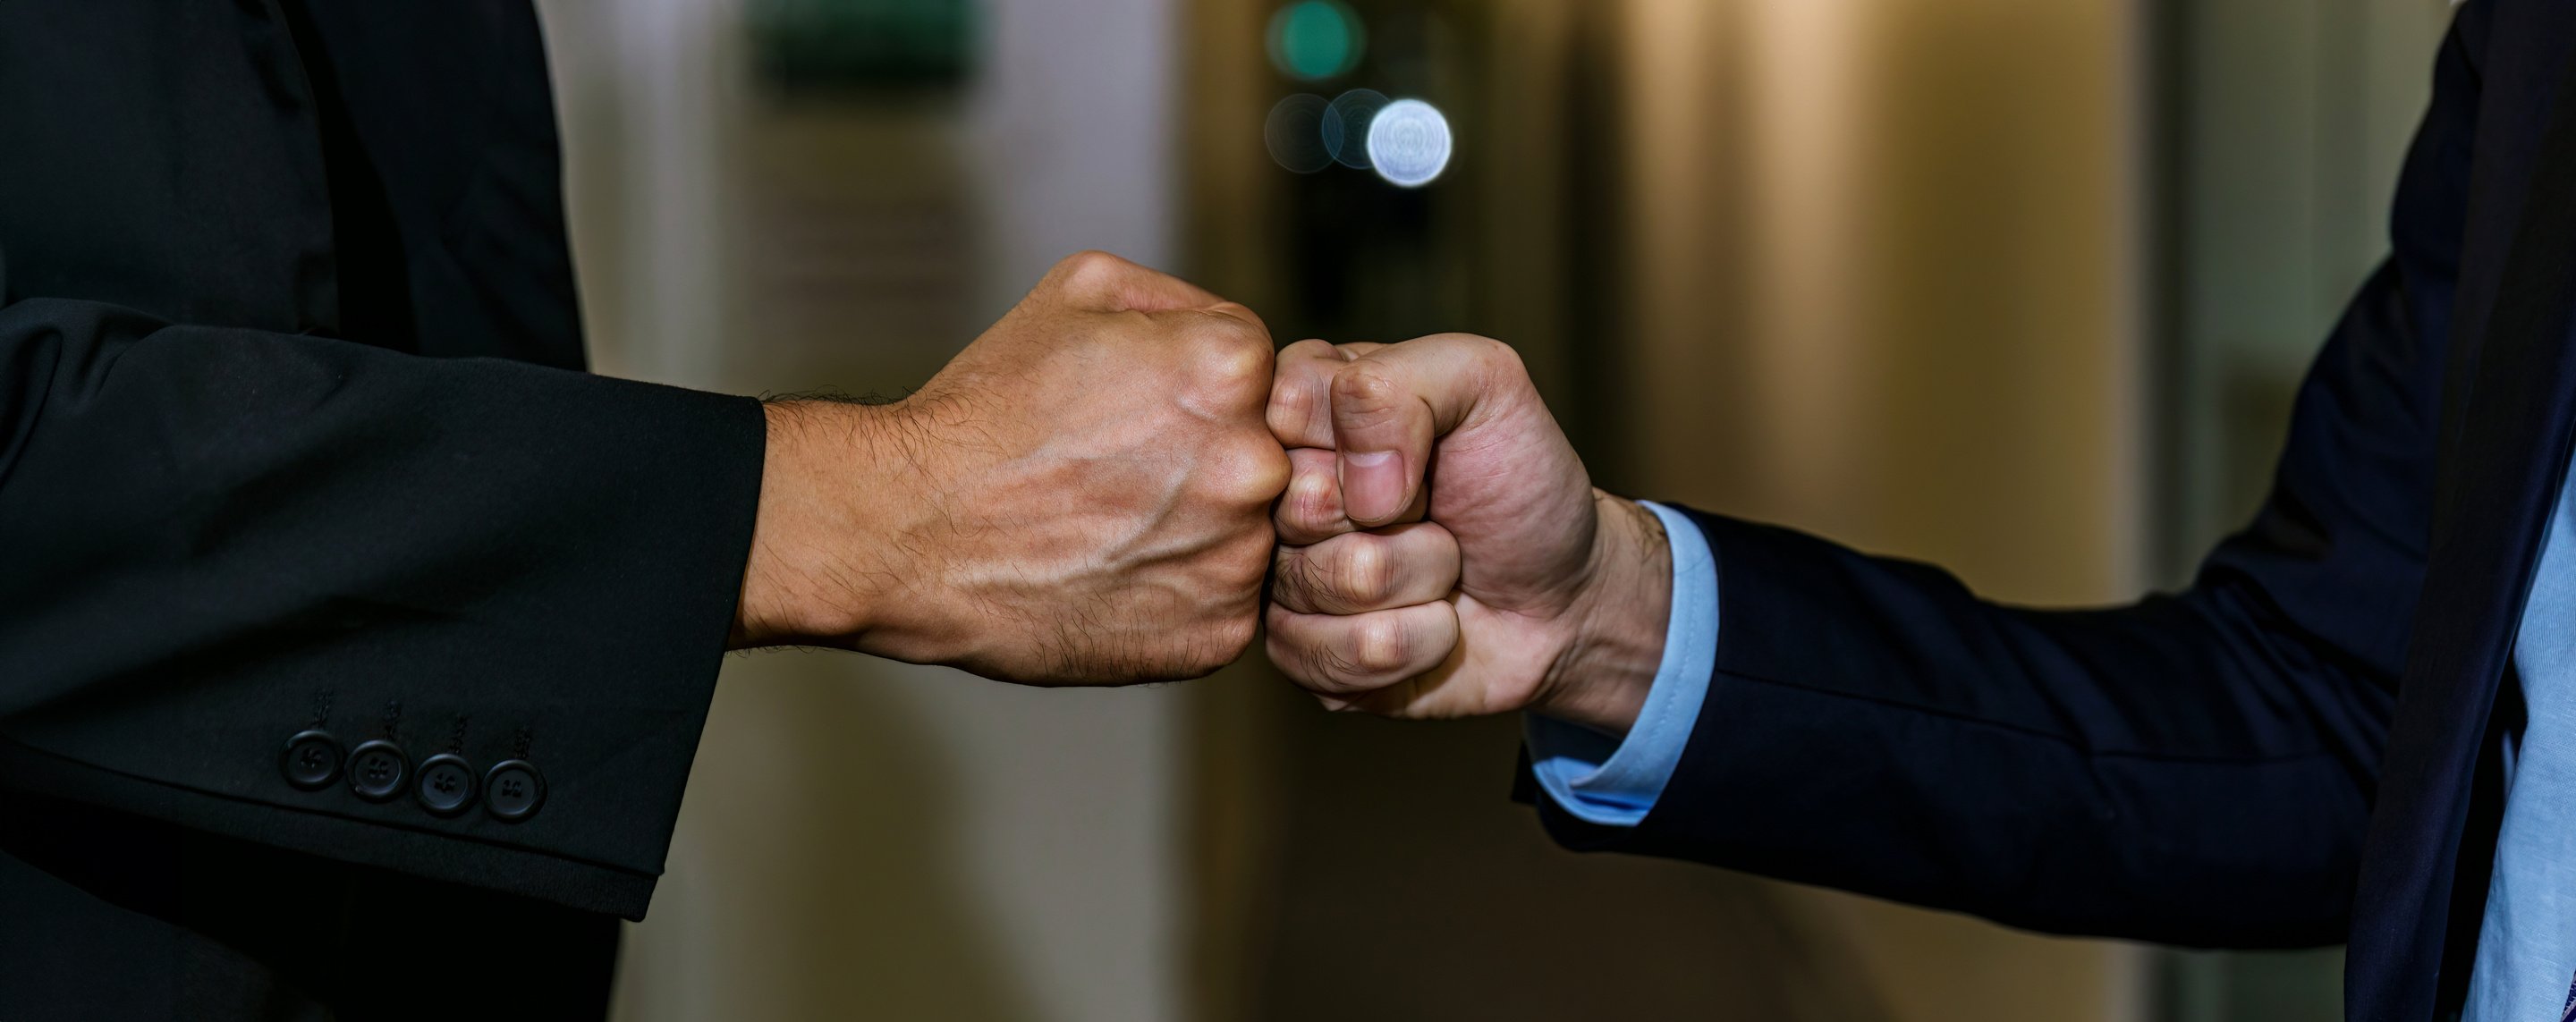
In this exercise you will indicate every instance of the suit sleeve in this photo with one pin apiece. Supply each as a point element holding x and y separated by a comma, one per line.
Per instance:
<point>212,540</point>
<point>2195,768</point>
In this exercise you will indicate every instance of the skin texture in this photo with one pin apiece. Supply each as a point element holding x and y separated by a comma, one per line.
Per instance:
<point>1080,497</point>
<point>1557,594</point>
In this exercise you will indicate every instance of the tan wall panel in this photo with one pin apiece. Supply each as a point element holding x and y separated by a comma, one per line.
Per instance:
<point>1885,292</point>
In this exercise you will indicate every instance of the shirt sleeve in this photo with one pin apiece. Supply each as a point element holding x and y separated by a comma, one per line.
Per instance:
<point>1612,781</point>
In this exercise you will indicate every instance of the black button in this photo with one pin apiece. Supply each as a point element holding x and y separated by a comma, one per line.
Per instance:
<point>446,784</point>
<point>377,770</point>
<point>311,760</point>
<point>514,790</point>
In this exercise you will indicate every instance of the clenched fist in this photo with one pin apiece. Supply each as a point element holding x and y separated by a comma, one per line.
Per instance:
<point>1081,497</point>
<point>1515,585</point>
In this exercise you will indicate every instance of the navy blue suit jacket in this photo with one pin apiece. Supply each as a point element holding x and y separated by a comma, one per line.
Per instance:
<point>2291,751</point>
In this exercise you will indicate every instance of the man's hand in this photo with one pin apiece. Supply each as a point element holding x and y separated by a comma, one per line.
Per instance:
<point>1081,496</point>
<point>1561,591</point>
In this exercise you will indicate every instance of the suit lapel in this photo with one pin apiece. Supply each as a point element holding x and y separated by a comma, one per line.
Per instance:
<point>2512,397</point>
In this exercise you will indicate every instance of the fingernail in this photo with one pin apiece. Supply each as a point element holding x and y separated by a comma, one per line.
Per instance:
<point>1372,485</point>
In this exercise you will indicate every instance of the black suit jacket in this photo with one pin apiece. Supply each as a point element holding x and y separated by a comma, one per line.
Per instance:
<point>293,439</point>
<point>2297,750</point>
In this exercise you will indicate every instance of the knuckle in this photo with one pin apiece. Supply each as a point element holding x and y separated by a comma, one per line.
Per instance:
<point>1502,364</point>
<point>1312,348</point>
<point>1363,573</point>
<point>1091,268</point>
<point>1311,504</point>
<point>1243,474</point>
<point>1378,645</point>
<point>1230,357</point>
<point>1491,353</point>
<point>1364,386</point>
<point>1266,472</point>
<point>1241,321</point>
<point>1292,407</point>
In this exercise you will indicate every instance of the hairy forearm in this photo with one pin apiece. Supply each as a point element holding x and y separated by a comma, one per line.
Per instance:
<point>801,585</point>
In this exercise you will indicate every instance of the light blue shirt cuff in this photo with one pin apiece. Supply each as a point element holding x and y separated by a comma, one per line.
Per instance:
<point>1614,782</point>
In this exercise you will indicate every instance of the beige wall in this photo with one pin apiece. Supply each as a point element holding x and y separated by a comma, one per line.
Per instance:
<point>1886,254</point>
<point>1897,237</point>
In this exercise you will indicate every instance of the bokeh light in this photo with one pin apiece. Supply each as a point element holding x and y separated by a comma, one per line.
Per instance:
<point>1312,40</point>
<point>1295,133</point>
<point>1346,125</point>
<point>1408,142</point>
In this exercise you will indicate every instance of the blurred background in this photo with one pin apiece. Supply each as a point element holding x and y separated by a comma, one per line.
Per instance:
<point>2019,286</point>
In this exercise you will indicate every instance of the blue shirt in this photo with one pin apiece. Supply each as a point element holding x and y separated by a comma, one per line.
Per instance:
<point>1611,781</point>
<point>2526,962</point>
<point>2526,967</point>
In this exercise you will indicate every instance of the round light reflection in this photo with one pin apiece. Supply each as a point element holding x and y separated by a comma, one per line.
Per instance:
<point>1346,126</point>
<point>1316,39</point>
<point>1408,142</point>
<point>1295,134</point>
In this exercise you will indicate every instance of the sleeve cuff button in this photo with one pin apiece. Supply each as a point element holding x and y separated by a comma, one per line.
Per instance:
<point>446,785</point>
<point>377,770</point>
<point>514,790</point>
<point>311,760</point>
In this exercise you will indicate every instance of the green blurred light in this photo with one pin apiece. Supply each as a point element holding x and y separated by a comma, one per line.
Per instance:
<point>1315,39</point>
<point>836,45</point>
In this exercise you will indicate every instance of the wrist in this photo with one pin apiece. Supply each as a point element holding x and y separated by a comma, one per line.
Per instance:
<point>808,579</point>
<point>1620,614</point>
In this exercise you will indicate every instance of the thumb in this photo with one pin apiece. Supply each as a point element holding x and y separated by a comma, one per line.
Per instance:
<point>1392,404</point>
